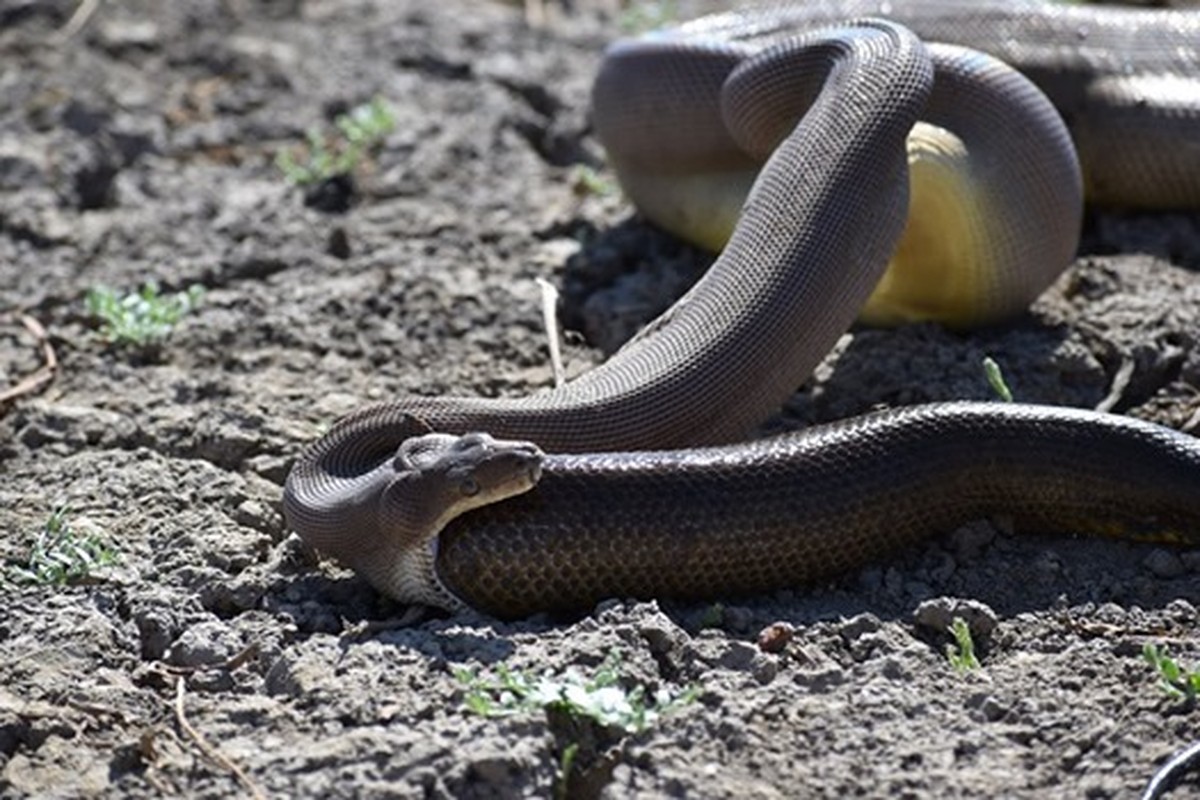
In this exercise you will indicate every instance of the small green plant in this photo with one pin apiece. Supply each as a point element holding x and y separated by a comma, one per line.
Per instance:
<point>600,697</point>
<point>327,155</point>
<point>63,553</point>
<point>586,180</point>
<point>140,318</point>
<point>645,15</point>
<point>565,765</point>
<point>995,379</point>
<point>962,652</point>
<point>1176,681</point>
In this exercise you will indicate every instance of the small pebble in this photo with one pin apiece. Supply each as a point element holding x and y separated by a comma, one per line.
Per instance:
<point>205,644</point>
<point>775,637</point>
<point>937,614</point>
<point>858,626</point>
<point>987,704</point>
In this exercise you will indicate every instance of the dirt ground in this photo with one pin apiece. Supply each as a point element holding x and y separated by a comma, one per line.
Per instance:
<point>141,148</point>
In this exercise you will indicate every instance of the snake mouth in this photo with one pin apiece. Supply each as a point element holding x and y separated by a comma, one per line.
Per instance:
<point>517,466</point>
<point>476,469</point>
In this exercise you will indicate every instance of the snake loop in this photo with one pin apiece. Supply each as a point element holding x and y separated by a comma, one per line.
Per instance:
<point>499,525</point>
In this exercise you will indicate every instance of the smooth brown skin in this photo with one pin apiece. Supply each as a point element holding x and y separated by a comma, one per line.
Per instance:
<point>815,234</point>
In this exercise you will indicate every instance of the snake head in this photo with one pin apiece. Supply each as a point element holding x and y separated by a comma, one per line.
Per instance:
<point>455,473</point>
<point>435,478</point>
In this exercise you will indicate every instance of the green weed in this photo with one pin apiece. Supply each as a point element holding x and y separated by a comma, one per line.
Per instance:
<point>585,180</point>
<point>565,766</point>
<point>646,15</point>
<point>63,554</point>
<point>140,318</point>
<point>1176,681</point>
<point>599,698</point>
<point>962,652</point>
<point>327,155</point>
<point>995,379</point>
<point>578,701</point>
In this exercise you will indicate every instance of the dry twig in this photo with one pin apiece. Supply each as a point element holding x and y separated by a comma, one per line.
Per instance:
<point>245,654</point>
<point>1193,422</point>
<point>77,22</point>
<point>208,749</point>
<point>1120,383</point>
<point>361,630</point>
<point>550,318</point>
<point>31,384</point>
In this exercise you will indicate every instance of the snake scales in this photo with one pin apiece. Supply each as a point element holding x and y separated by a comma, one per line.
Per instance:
<point>419,514</point>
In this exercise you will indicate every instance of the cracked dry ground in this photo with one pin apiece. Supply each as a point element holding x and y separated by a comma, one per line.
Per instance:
<point>142,149</point>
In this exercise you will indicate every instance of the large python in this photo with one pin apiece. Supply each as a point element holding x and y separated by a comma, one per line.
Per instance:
<point>456,517</point>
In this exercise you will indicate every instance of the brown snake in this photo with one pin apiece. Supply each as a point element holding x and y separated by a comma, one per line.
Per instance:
<point>453,520</point>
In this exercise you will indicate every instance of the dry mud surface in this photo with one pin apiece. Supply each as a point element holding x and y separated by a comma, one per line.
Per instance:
<point>142,148</point>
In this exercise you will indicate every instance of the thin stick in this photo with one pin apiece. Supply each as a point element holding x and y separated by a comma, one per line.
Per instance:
<point>550,315</point>
<point>211,752</point>
<point>1193,422</point>
<point>248,652</point>
<point>1120,383</point>
<point>77,21</point>
<point>37,381</point>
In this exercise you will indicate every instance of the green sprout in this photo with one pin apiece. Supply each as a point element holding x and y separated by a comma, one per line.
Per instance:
<point>645,15</point>
<point>571,697</point>
<point>565,765</point>
<point>962,652</point>
<point>600,698</point>
<point>63,554</point>
<point>586,180</point>
<point>327,155</point>
<point>1176,681</point>
<point>995,379</point>
<point>140,318</point>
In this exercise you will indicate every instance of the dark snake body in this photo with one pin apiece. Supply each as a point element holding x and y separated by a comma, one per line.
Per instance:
<point>755,516</point>
<point>805,507</point>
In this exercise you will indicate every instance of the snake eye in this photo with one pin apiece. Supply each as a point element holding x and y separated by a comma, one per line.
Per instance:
<point>469,487</point>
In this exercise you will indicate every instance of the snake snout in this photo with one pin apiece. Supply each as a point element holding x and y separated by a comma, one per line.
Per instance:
<point>504,468</point>
<point>459,472</point>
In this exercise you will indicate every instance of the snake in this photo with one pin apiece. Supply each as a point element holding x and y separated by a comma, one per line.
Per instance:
<point>637,478</point>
